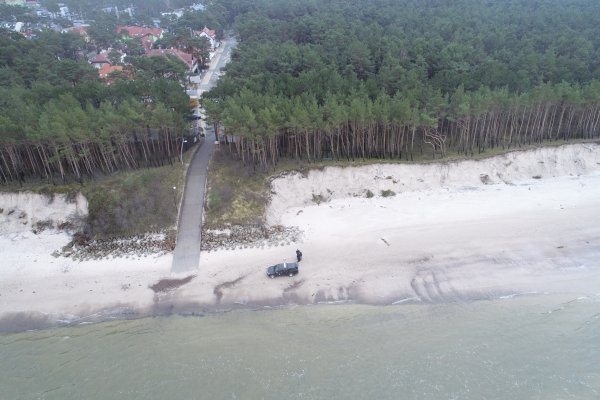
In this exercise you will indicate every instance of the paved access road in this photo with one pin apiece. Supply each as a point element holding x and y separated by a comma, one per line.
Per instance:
<point>186,257</point>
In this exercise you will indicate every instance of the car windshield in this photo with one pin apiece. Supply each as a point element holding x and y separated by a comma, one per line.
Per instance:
<point>280,267</point>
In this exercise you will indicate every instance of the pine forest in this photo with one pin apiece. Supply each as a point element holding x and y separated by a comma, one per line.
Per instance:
<point>396,79</point>
<point>309,80</point>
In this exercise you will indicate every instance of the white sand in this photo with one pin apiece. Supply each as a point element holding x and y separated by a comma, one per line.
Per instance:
<point>444,236</point>
<point>32,280</point>
<point>22,211</point>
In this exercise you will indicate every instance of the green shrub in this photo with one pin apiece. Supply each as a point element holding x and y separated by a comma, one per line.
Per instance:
<point>387,193</point>
<point>214,201</point>
<point>369,194</point>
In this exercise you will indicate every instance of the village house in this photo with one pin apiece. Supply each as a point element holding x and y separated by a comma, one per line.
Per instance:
<point>105,72</point>
<point>147,35</point>
<point>104,58</point>
<point>100,60</point>
<point>115,10</point>
<point>175,14</point>
<point>211,35</point>
<point>82,30</point>
<point>186,58</point>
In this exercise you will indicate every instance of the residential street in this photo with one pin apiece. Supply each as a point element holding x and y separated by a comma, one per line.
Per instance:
<point>186,256</point>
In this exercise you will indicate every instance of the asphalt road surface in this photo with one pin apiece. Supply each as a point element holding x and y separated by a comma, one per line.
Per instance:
<point>186,257</point>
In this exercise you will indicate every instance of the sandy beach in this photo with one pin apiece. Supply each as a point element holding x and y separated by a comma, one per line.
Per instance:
<point>524,223</point>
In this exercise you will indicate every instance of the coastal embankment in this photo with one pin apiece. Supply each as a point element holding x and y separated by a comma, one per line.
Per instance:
<point>521,223</point>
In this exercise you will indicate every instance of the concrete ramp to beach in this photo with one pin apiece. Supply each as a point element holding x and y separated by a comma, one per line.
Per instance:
<point>186,256</point>
<point>189,233</point>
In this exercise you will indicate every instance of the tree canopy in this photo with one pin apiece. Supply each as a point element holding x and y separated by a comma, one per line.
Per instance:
<point>387,78</point>
<point>58,121</point>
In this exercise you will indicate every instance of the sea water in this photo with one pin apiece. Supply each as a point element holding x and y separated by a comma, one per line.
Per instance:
<point>532,347</point>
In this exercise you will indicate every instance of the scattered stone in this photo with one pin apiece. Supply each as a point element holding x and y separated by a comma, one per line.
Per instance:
<point>485,179</point>
<point>65,226</point>
<point>249,236</point>
<point>41,226</point>
<point>82,247</point>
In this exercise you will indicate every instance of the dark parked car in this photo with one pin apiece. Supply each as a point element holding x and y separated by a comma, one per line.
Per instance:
<point>286,268</point>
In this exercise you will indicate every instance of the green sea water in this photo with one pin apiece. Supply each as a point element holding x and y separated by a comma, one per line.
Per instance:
<point>538,347</point>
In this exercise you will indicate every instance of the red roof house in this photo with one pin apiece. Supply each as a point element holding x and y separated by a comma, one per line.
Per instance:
<point>186,58</point>
<point>210,34</point>
<point>100,60</point>
<point>146,35</point>
<point>141,31</point>
<point>106,70</point>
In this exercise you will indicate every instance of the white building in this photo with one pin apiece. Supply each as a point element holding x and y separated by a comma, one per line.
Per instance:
<point>64,12</point>
<point>174,14</point>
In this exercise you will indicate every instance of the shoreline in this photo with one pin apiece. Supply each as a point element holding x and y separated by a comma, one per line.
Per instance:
<point>447,234</point>
<point>24,321</point>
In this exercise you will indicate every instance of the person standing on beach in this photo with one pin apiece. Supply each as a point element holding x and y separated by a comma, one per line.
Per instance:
<point>298,255</point>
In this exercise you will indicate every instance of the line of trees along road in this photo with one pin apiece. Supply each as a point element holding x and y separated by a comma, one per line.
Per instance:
<point>59,122</point>
<point>389,78</point>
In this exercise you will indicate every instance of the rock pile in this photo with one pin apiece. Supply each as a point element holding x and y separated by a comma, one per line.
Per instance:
<point>244,236</point>
<point>83,248</point>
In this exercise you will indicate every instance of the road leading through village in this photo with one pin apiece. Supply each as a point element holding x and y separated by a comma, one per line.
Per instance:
<point>186,257</point>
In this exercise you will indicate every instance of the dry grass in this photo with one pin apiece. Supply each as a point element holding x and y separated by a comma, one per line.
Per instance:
<point>134,202</point>
<point>237,194</point>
